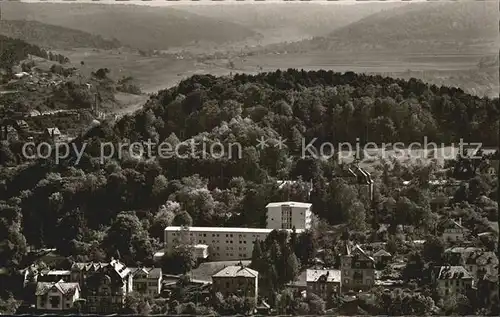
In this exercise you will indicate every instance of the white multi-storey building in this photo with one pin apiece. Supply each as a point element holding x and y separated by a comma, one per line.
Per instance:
<point>224,244</point>
<point>286,215</point>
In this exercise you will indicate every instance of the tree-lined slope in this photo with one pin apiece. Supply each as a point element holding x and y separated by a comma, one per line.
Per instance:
<point>416,27</point>
<point>141,27</point>
<point>15,50</point>
<point>52,36</point>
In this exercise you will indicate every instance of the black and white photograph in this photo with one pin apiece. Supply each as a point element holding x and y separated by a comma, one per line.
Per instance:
<point>249,158</point>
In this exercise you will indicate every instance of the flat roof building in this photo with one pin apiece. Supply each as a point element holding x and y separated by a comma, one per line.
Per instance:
<point>289,214</point>
<point>224,244</point>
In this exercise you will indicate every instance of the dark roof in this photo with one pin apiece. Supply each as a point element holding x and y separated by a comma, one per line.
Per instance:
<point>452,273</point>
<point>43,288</point>
<point>119,267</point>
<point>451,224</point>
<point>482,258</point>
<point>151,272</point>
<point>356,250</point>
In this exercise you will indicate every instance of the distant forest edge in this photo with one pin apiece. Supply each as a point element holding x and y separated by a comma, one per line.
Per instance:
<point>296,105</point>
<point>459,27</point>
<point>15,50</point>
<point>52,36</point>
<point>141,27</point>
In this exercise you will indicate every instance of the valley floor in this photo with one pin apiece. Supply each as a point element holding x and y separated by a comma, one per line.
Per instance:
<point>159,72</point>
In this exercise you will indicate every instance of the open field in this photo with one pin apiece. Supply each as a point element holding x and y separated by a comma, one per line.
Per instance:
<point>155,73</point>
<point>151,73</point>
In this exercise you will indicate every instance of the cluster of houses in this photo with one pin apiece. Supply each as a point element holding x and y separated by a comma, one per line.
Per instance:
<point>91,287</point>
<point>20,130</point>
<point>102,287</point>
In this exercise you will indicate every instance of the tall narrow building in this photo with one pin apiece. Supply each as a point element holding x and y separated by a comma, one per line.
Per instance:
<point>286,215</point>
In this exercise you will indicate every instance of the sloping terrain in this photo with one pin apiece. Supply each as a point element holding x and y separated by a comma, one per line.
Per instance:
<point>467,26</point>
<point>52,36</point>
<point>141,27</point>
<point>15,50</point>
<point>290,20</point>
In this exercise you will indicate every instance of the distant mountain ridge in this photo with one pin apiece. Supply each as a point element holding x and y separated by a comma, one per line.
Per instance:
<point>141,27</point>
<point>416,27</point>
<point>53,36</point>
<point>306,18</point>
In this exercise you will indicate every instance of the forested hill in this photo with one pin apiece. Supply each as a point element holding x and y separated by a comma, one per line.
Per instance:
<point>141,27</point>
<point>417,27</point>
<point>15,50</point>
<point>327,105</point>
<point>52,36</point>
<point>78,209</point>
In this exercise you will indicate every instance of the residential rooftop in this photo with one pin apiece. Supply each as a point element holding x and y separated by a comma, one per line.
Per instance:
<point>452,273</point>
<point>151,272</point>
<point>289,203</point>
<point>382,252</point>
<point>236,271</point>
<point>227,229</point>
<point>323,275</point>
<point>58,272</point>
<point>43,288</point>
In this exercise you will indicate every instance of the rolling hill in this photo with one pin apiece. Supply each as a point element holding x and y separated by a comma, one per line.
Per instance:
<point>15,50</point>
<point>52,36</point>
<point>140,27</point>
<point>464,26</point>
<point>290,21</point>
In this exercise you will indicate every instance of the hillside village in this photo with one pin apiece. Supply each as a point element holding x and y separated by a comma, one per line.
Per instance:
<point>274,230</point>
<point>38,96</point>
<point>453,270</point>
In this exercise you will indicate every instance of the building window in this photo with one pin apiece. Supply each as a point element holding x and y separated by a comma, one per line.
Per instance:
<point>55,301</point>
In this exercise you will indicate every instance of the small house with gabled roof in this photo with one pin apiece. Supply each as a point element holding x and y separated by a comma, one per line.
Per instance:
<point>56,296</point>
<point>324,283</point>
<point>452,280</point>
<point>358,268</point>
<point>238,280</point>
<point>453,230</point>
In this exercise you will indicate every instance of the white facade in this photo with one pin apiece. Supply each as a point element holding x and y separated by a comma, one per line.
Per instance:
<point>201,251</point>
<point>224,244</point>
<point>286,215</point>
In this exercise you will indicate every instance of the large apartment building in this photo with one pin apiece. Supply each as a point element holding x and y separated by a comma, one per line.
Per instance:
<point>286,215</point>
<point>224,244</point>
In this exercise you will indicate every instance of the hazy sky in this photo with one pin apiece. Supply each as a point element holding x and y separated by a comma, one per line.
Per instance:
<point>210,2</point>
